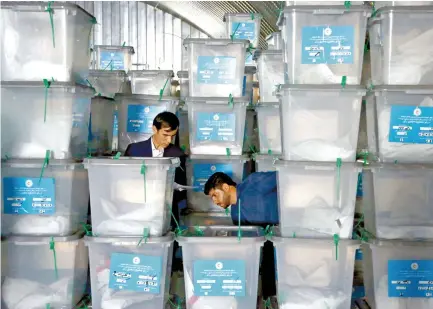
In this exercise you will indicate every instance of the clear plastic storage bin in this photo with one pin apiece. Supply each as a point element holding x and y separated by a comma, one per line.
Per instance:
<point>399,124</point>
<point>400,41</point>
<point>270,71</point>
<point>316,199</point>
<point>200,168</point>
<point>129,195</point>
<point>130,272</point>
<point>35,119</point>
<point>398,201</point>
<point>221,270</point>
<point>216,67</point>
<point>314,273</point>
<point>184,84</point>
<point>101,125</point>
<point>394,272</point>
<point>216,127</point>
<point>34,48</point>
<point>54,204</point>
<point>275,41</point>
<point>324,44</point>
<point>151,82</point>
<point>268,126</point>
<point>136,114</point>
<point>265,163</point>
<point>108,83</point>
<point>206,219</point>
<point>108,57</point>
<point>243,26</point>
<point>320,123</point>
<point>36,276</point>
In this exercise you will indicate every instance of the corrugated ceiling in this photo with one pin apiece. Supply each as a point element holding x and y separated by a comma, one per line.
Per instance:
<point>208,15</point>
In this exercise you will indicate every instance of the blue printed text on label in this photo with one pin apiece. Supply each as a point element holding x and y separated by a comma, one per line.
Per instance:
<point>411,124</point>
<point>29,196</point>
<point>110,60</point>
<point>219,278</point>
<point>202,172</point>
<point>328,44</point>
<point>410,278</point>
<point>216,127</point>
<point>140,118</point>
<point>244,31</point>
<point>216,70</point>
<point>135,272</point>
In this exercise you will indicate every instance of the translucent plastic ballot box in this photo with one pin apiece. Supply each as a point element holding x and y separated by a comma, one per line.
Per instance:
<point>268,128</point>
<point>275,41</point>
<point>193,218</point>
<point>200,167</point>
<point>151,82</point>
<point>36,118</point>
<point>216,67</point>
<point>399,125</point>
<point>265,163</point>
<point>400,37</point>
<point>270,71</point>
<point>101,125</point>
<point>36,46</point>
<point>108,83</point>
<point>243,26</point>
<point>130,272</point>
<point>43,272</point>
<point>216,125</point>
<point>323,44</point>
<point>398,274</point>
<point>184,84</point>
<point>320,123</point>
<point>221,269</point>
<point>43,197</point>
<point>108,57</point>
<point>131,196</point>
<point>397,201</point>
<point>314,273</point>
<point>136,114</point>
<point>316,199</point>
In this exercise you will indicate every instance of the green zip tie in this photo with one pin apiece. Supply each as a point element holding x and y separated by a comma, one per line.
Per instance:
<point>294,235</point>
<point>230,100</point>
<point>269,152</point>
<point>143,169</point>
<point>124,44</point>
<point>93,20</point>
<point>50,12</point>
<point>252,16</point>
<point>338,177</point>
<point>178,306</point>
<point>343,81</point>
<point>365,158</point>
<point>48,306</point>
<point>182,148</point>
<point>373,10</point>
<point>228,153</point>
<point>347,4</point>
<point>47,85</point>
<point>234,32</point>
<point>267,303</point>
<point>269,232</point>
<point>161,91</point>
<point>198,231</point>
<point>91,86</point>
<point>117,156</point>
<point>239,221</point>
<point>45,164</point>
<point>53,248</point>
<point>227,211</point>
<point>6,157</point>
<point>87,229</point>
<point>144,237</point>
<point>110,64</point>
<point>336,241</point>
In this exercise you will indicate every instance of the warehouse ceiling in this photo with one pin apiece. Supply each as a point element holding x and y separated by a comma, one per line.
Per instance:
<point>208,15</point>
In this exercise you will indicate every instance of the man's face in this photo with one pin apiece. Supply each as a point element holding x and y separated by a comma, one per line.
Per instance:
<point>220,197</point>
<point>163,137</point>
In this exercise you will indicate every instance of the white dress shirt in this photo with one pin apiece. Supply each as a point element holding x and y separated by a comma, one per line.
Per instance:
<point>156,153</point>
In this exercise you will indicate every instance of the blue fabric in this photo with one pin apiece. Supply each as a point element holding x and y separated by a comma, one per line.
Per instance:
<point>259,200</point>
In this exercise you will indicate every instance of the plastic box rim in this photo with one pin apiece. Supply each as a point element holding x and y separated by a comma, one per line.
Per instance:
<point>131,161</point>
<point>266,157</point>
<point>327,88</point>
<point>43,239</point>
<point>147,97</point>
<point>319,166</point>
<point>223,239</point>
<point>315,241</point>
<point>216,42</point>
<point>53,85</point>
<point>403,89</point>
<point>402,9</point>
<point>37,163</point>
<point>378,243</point>
<point>138,73</point>
<point>216,100</point>
<point>267,104</point>
<point>14,5</point>
<point>115,47</point>
<point>182,74</point>
<point>243,158</point>
<point>404,167</point>
<point>97,73</point>
<point>273,34</point>
<point>256,15</point>
<point>129,240</point>
<point>260,52</point>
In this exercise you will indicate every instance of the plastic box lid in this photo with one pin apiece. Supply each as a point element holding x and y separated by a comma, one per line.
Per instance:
<point>242,15</point>
<point>131,161</point>
<point>398,243</point>
<point>217,100</point>
<point>267,104</point>
<point>58,86</point>
<point>216,42</point>
<point>319,166</point>
<point>265,157</point>
<point>128,49</point>
<point>260,52</point>
<point>38,163</point>
<point>222,235</point>
<point>361,90</point>
<point>398,167</point>
<point>402,9</point>
<point>38,6</point>
<point>182,74</point>
<point>128,240</point>
<point>145,97</point>
<point>107,73</point>
<point>243,158</point>
<point>140,73</point>
<point>403,89</point>
<point>41,240</point>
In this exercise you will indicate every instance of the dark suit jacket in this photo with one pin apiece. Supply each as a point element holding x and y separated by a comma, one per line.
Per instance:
<point>144,149</point>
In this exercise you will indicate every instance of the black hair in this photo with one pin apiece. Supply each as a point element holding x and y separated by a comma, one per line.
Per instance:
<point>216,181</point>
<point>166,120</point>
